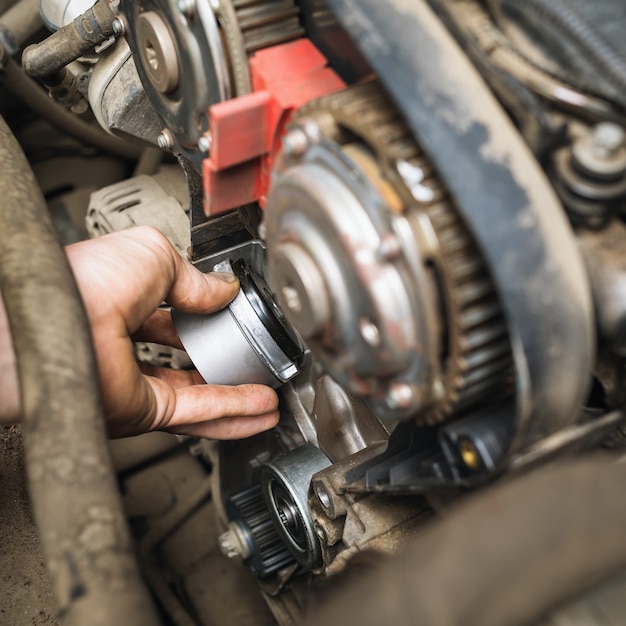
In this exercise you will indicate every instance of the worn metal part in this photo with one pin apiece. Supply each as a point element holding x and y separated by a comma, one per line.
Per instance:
<point>348,523</point>
<point>503,197</point>
<point>76,500</point>
<point>604,252</point>
<point>383,209</point>
<point>117,97</point>
<point>285,483</point>
<point>250,334</point>
<point>191,42</point>
<point>252,534</point>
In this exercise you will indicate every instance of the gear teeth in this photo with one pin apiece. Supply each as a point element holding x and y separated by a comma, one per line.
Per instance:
<point>269,552</point>
<point>266,23</point>
<point>477,360</point>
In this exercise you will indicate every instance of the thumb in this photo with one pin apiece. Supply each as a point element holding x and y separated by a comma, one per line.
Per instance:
<point>195,292</point>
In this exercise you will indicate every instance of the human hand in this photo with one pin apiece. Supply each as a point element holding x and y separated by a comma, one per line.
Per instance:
<point>123,277</point>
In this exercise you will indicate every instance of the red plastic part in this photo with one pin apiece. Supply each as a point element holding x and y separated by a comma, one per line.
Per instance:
<point>246,131</point>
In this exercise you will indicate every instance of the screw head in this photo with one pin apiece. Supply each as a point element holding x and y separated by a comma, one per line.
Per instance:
<point>295,142</point>
<point>165,140</point>
<point>607,138</point>
<point>400,396</point>
<point>118,27</point>
<point>204,143</point>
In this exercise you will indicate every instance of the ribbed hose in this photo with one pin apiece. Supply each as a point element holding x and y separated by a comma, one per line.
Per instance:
<point>505,558</point>
<point>570,24</point>
<point>75,496</point>
<point>35,98</point>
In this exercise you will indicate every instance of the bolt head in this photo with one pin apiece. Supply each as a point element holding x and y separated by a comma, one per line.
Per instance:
<point>165,141</point>
<point>295,142</point>
<point>118,27</point>
<point>204,143</point>
<point>608,138</point>
<point>187,8</point>
<point>400,396</point>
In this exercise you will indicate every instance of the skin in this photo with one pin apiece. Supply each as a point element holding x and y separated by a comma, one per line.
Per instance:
<point>123,278</point>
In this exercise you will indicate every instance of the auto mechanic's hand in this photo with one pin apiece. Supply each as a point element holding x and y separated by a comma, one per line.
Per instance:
<point>123,277</point>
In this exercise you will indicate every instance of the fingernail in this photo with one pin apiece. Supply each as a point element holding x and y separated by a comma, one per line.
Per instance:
<point>227,277</point>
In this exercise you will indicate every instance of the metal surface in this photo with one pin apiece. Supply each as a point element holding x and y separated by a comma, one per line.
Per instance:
<point>158,52</point>
<point>502,195</point>
<point>366,248</point>
<point>194,43</point>
<point>117,98</point>
<point>285,482</point>
<point>249,352</point>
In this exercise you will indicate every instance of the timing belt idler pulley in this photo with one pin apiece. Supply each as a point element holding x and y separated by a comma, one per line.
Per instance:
<point>250,341</point>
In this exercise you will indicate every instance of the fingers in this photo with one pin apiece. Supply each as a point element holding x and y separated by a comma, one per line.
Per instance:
<point>159,328</point>
<point>124,276</point>
<point>228,427</point>
<point>175,378</point>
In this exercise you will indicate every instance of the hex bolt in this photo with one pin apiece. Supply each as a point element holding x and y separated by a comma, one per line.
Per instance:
<point>607,138</point>
<point>400,396</point>
<point>165,140</point>
<point>389,248</point>
<point>232,542</point>
<point>204,143</point>
<point>187,8</point>
<point>295,142</point>
<point>370,333</point>
<point>118,26</point>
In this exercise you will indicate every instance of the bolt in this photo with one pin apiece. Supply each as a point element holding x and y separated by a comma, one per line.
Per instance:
<point>370,332</point>
<point>204,143</point>
<point>295,142</point>
<point>165,140</point>
<point>389,248</point>
<point>400,396</point>
<point>320,532</point>
<point>469,454</point>
<point>229,546</point>
<point>607,139</point>
<point>323,496</point>
<point>187,8</point>
<point>119,29</point>
<point>262,231</point>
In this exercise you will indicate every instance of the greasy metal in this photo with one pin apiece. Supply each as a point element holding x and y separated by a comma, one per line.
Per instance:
<point>417,229</point>
<point>601,151</point>
<point>502,195</point>
<point>158,51</point>
<point>117,98</point>
<point>248,351</point>
<point>605,256</point>
<point>199,50</point>
<point>76,501</point>
<point>285,482</point>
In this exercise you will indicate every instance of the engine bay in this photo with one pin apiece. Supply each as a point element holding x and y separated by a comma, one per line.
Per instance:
<point>424,204</point>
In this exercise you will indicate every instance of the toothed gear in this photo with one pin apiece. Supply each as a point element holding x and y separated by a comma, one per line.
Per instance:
<point>475,355</point>
<point>269,553</point>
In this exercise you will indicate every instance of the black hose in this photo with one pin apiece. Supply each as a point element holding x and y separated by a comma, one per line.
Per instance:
<point>75,496</point>
<point>505,558</point>
<point>35,98</point>
<point>564,20</point>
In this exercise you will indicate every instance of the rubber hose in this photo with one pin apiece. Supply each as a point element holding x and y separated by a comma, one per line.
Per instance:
<point>504,558</point>
<point>35,98</point>
<point>569,23</point>
<point>72,484</point>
